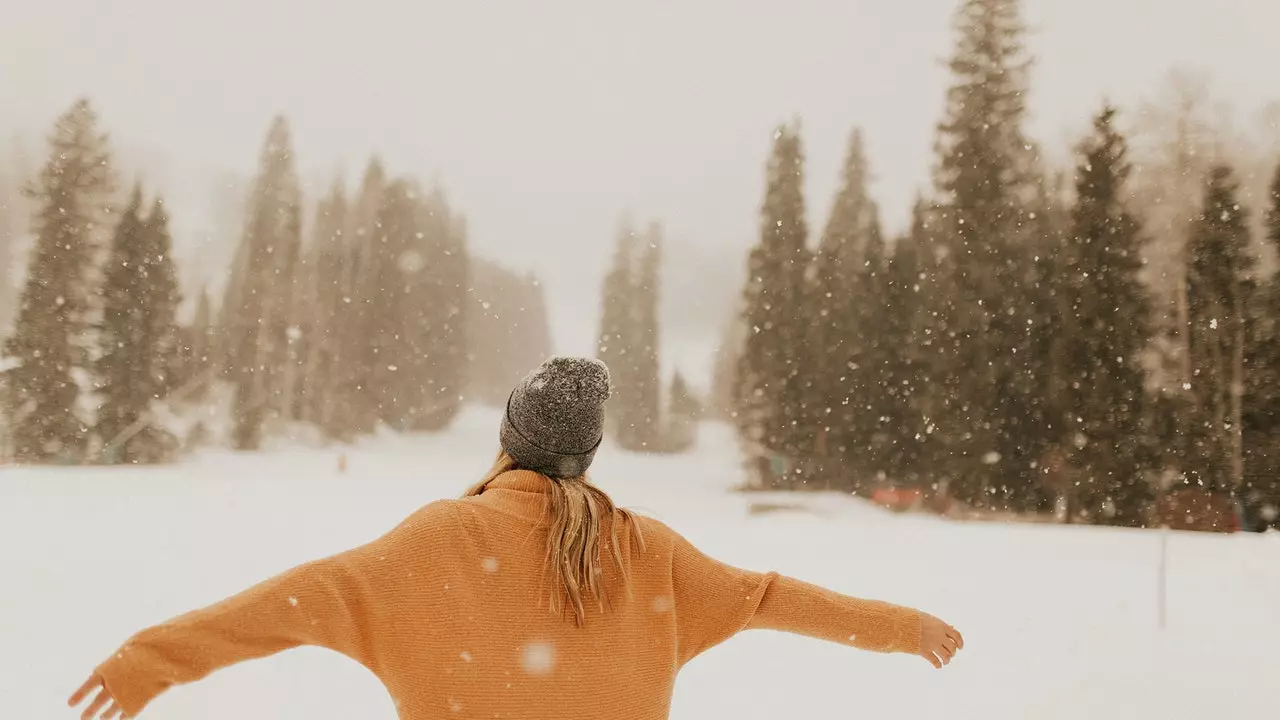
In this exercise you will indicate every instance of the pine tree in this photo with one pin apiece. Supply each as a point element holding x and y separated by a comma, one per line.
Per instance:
<point>1220,286</point>
<point>613,345</point>
<point>876,407</point>
<point>8,247</point>
<point>628,341</point>
<point>904,374</point>
<point>358,332</point>
<point>1051,319</point>
<point>259,304</point>
<point>1107,328</point>
<point>643,344</point>
<point>444,284</point>
<point>329,303</point>
<point>47,350</point>
<point>139,336</point>
<point>1261,432</point>
<point>199,353</point>
<point>984,181</point>
<point>771,381</point>
<point>398,346</point>
<point>722,401</point>
<point>683,413</point>
<point>838,337</point>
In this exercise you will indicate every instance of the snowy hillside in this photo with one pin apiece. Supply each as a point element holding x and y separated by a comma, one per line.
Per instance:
<point>1059,622</point>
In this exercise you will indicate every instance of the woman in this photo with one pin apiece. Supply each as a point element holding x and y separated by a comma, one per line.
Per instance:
<point>532,596</point>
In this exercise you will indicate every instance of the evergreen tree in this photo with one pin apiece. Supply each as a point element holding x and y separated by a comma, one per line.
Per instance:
<point>904,331</point>
<point>199,354</point>
<point>359,363</point>
<point>839,336</point>
<point>771,381</point>
<point>1051,320</point>
<point>722,402</point>
<point>629,338</point>
<point>616,333</point>
<point>643,344</point>
<point>140,298</point>
<point>1107,328</point>
<point>329,302</point>
<point>878,357</point>
<point>419,338</point>
<point>8,247</point>
<point>1220,286</point>
<point>259,303</point>
<point>683,413</point>
<point>399,346</point>
<point>48,346</point>
<point>444,284</point>
<point>1261,432</point>
<point>984,175</point>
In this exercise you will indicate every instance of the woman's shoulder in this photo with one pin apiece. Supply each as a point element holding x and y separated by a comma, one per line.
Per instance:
<point>656,533</point>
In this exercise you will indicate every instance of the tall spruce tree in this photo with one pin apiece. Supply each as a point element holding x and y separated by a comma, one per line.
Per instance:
<point>643,345</point>
<point>771,381</point>
<point>8,247</point>
<point>682,415</point>
<point>399,346</point>
<point>1106,330</point>
<point>838,336</point>
<point>984,181</point>
<point>329,303</point>
<point>628,341</point>
<point>1220,286</point>
<point>139,336</point>
<point>359,363</point>
<point>612,347</point>
<point>259,304</point>
<point>419,344</point>
<point>199,350</point>
<point>1262,387</point>
<point>879,355</point>
<point>902,331</point>
<point>444,283</point>
<point>51,333</point>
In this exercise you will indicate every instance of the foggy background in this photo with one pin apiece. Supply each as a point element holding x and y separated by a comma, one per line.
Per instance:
<point>546,121</point>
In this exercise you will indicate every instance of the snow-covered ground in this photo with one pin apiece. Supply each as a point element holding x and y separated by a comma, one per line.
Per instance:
<point>1059,622</point>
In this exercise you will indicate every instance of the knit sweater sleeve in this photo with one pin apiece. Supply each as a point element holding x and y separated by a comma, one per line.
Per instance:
<point>331,603</point>
<point>714,601</point>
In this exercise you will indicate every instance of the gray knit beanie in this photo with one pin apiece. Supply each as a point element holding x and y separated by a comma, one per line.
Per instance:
<point>555,417</point>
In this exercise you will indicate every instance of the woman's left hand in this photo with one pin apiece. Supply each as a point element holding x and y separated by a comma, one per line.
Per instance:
<point>103,705</point>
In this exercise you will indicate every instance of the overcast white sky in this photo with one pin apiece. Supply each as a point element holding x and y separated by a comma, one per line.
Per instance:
<point>545,120</point>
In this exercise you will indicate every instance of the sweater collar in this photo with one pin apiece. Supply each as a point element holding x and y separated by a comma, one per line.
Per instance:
<point>518,492</point>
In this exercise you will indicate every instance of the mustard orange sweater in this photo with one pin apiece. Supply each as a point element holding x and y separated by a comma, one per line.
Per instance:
<point>450,611</point>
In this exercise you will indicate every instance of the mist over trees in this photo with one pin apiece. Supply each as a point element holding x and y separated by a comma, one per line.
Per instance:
<point>1088,342</point>
<point>1094,339</point>
<point>357,319</point>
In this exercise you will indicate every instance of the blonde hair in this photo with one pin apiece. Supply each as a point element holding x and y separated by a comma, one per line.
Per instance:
<point>576,512</point>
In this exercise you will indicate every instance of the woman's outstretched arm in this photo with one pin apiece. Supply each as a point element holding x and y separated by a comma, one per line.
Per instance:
<point>715,601</point>
<point>331,603</point>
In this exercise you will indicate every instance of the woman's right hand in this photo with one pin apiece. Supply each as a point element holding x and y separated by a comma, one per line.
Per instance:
<point>103,705</point>
<point>939,642</point>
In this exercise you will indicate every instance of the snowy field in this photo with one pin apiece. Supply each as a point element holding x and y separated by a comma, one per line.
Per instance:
<point>1059,622</point>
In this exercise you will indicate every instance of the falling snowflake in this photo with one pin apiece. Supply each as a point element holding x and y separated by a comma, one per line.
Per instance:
<point>539,658</point>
